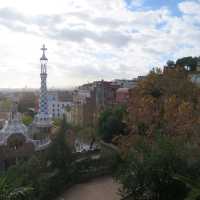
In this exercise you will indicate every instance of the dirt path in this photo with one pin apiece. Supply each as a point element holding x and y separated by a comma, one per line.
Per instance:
<point>98,189</point>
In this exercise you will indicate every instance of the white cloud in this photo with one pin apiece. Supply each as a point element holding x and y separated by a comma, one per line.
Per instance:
<point>90,40</point>
<point>190,7</point>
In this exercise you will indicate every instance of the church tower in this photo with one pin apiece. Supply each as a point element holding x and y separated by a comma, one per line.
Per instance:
<point>43,120</point>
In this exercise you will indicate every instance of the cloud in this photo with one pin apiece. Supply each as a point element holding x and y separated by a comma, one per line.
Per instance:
<point>189,7</point>
<point>90,40</point>
<point>113,38</point>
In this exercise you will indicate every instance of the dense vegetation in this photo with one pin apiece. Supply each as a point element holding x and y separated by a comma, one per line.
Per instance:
<point>111,123</point>
<point>150,168</point>
<point>10,191</point>
<point>166,103</point>
<point>163,143</point>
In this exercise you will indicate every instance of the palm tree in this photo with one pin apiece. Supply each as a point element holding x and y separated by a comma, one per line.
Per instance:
<point>9,192</point>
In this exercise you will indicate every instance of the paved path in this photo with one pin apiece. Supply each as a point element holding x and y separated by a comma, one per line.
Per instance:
<point>98,189</point>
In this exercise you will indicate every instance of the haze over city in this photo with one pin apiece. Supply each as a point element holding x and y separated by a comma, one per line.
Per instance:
<point>93,40</point>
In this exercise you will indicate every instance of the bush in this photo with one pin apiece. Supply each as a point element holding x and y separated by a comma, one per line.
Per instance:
<point>149,169</point>
<point>111,123</point>
<point>27,120</point>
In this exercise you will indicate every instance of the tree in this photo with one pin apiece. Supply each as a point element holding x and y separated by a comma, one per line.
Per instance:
<point>167,103</point>
<point>170,63</point>
<point>164,108</point>
<point>189,62</point>
<point>27,119</point>
<point>111,123</point>
<point>149,169</point>
<point>26,101</point>
<point>5,105</point>
<point>59,153</point>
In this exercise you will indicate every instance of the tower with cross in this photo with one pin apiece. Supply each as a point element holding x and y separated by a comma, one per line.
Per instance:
<point>43,120</point>
<point>43,101</point>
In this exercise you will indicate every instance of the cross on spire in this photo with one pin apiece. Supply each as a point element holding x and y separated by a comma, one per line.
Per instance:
<point>43,48</point>
<point>43,54</point>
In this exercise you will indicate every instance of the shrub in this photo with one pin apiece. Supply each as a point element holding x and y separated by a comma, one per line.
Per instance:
<point>148,170</point>
<point>111,123</point>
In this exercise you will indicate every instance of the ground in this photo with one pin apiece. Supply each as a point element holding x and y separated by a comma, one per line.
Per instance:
<point>98,189</point>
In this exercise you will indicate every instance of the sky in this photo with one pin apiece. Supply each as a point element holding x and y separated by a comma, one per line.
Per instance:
<point>91,40</point>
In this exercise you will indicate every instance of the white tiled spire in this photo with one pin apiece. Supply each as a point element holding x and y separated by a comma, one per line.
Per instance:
<point>43,119</point>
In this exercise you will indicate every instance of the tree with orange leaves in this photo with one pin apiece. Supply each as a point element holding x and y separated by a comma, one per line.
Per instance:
<point>167,103</point>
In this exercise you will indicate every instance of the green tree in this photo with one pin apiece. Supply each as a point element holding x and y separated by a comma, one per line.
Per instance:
<point>59,152</point>
<point>111,123</point>
<point>190,62</point>
<point>148,171</point>
<point>27,119</point>
<point>5,105</point>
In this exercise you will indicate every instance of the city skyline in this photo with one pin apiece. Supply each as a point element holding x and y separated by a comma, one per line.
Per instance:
<point>93,40</point>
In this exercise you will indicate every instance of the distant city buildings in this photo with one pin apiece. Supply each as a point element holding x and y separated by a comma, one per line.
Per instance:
<point>89,100</point>
<point>57,105</point>
<point>126,83</point>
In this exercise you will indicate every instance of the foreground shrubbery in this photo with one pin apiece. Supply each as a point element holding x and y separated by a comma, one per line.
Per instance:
<point>50,173</point>
<point>149,170</point>
<point>10,191</point>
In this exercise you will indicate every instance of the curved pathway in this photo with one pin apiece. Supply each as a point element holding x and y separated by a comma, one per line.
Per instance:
<point>103,188</point>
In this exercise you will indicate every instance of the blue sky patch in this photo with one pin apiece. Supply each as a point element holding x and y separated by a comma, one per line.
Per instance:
<point>155,4</point>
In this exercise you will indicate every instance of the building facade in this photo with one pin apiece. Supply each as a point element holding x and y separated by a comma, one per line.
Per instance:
<point>89,101</point>
<point>57,106</point>
<point>122,96</point>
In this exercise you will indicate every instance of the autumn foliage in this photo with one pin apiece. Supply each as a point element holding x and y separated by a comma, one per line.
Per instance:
<point>165,103</point>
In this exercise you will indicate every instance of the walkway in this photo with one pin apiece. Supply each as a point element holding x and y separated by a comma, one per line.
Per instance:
<point>98,189</point>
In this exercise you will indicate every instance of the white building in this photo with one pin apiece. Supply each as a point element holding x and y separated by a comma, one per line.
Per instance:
<point>126,83</point>
<point>56,107</point>
<point>195,76</point>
